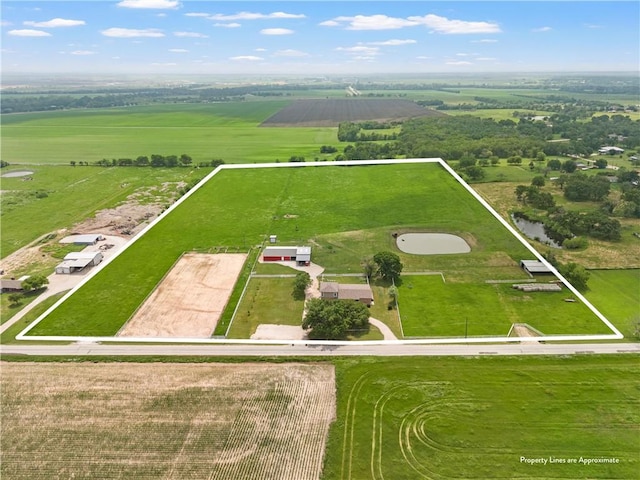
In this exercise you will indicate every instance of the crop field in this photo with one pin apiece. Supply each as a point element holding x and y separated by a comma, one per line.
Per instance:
<point>419,418</point>
<point>330,112</point>
<point>211,421</point>
<point>305,206</point>
<point>226,131</point>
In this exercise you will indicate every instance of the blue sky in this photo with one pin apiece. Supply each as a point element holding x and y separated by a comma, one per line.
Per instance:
<point>315,38</point>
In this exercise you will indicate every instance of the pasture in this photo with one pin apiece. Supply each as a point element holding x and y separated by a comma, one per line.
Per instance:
<point>75,193</point>
<point>118,420</point>
<point>345,213</point>
<point>431,307</point>
<point>330,112</point>
<point>226,130</point>
<point>419,418</point>
<point>615,293</point>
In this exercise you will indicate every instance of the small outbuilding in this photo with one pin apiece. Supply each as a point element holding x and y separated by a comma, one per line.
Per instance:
<point>77,261</point>
<point>534,266</point>
<point>12,285</point>
<point>88,239</point>
<point>300,255</point>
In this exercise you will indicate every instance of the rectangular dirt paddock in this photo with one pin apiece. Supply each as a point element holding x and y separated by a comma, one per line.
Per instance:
<point>190,299</point>
<point>165,421</point>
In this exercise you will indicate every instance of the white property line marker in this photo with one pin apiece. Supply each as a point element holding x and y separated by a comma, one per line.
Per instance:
<point>434,341</point>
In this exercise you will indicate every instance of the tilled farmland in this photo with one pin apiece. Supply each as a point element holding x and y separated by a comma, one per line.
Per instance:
<point>330,112</point>
<point>170,421</point>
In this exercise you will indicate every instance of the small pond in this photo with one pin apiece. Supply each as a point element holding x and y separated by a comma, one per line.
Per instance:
<point>17,173</point>
<point>431,243</point>
<point>534,231</point>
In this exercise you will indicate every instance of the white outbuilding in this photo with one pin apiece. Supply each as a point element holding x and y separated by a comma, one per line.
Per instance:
<point>77,261</point>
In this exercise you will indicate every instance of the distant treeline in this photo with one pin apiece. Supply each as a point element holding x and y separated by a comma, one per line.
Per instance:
<point>155,160</point>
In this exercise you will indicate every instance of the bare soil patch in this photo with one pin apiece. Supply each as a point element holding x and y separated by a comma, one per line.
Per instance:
<point>177,421</point>
<point>267,331</point>
<point>190,299</point>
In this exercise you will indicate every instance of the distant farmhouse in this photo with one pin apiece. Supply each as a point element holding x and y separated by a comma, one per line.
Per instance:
<point>300,255</point>
<point>341,291</point>
<point>611,150</point>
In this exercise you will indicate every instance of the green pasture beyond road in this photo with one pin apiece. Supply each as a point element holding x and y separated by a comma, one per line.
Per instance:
<point>345,213</point>
<point>227,131</point>
<point>485,418</point>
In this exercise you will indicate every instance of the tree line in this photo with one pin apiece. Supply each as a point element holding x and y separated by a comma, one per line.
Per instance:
<point>155,160</point>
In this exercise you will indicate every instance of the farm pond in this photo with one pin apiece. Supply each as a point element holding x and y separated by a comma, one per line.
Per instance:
<point>431,243</point>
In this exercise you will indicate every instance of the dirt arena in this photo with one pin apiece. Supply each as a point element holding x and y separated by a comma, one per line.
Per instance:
<point>190,299</point>
<point>170,421</point>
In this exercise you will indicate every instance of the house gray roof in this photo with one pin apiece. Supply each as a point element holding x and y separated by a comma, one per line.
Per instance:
<point>354,292</point>
<point>329,287</point>
<point>534,266</point>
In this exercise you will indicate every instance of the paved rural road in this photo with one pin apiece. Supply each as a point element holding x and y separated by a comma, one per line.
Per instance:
<point>320,350</point>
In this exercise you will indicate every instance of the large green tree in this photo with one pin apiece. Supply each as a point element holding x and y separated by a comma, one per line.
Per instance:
<point>389,265</point>
<point>300,284</point>
<point>333,319</point>
<point>34,282</point>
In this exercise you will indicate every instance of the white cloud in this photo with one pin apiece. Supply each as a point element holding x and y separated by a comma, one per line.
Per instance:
<point>276,31</point>
<point>486,59</point>
<point>190,34</point>
<point>55,23</point>
<point>360,50</point>
<point>260,49</point>
<point>227,25</point>
<point>542,29</point>
<point>593,26</point>
<point>178,50</point>
<point>149,4</point>
<point>197,14</point>
<point>393,43</point>
<point>131,32</point>
<point>5,23</point>
<point>28,33</point>
<point>246,58</point>
<point>255,16</point>
<point>83,52</point>
<point>161,15</point>
<point>446,26</point>
<point>372,22</point>
<point>485,40</point>
<point>461,62</point>
<point>462,54</point>
<point>290,53</point>
<point>434,22</point>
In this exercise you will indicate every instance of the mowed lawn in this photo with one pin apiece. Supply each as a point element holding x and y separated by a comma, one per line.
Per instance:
<point>430,307</point>
<point>616,293</point>
<point>239,208</point>
<point>227,131</point>
<point>439,418</point>
<point>266,300</point>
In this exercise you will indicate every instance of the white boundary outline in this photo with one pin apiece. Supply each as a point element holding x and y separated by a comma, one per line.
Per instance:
<point>448,340</point>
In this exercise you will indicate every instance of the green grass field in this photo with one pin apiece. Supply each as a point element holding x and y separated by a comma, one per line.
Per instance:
<point>430,307</point>
<point>346,213</point>
<point>266,300</point>
<point>616,294</point>
<point>415,418</point>
<point>75,193</point>
<point>228,131</point>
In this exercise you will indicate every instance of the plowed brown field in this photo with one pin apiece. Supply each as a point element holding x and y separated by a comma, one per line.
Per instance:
<point>190,299</point>
<point>170,421</point>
